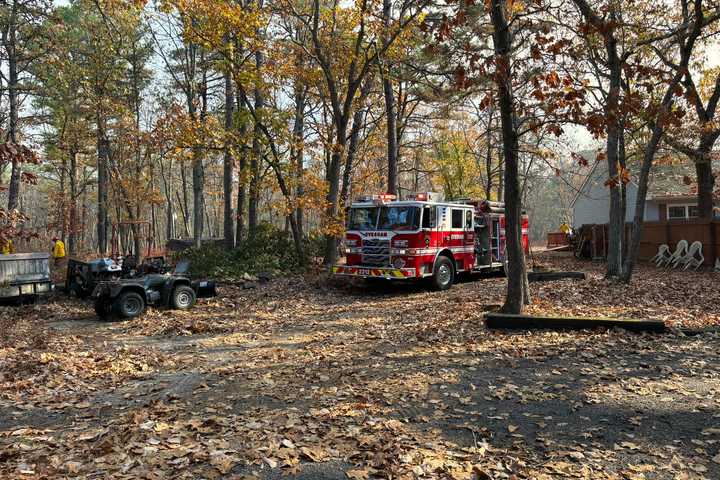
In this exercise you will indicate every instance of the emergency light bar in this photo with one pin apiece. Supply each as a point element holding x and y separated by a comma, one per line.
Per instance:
<point>385,197</point>
<point>424,197</point>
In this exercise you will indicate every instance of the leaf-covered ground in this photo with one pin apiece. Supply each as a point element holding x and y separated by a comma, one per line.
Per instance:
<point>320,379</point>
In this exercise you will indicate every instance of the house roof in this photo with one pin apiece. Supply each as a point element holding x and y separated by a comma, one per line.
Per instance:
<point>670,177</point>
<point>591,157</point>
<point>675,177</point>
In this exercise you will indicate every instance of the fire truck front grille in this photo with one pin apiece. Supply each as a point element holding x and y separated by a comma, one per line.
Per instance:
<point>376,252</point>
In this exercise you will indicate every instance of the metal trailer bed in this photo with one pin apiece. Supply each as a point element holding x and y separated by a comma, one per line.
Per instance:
<point>24,275</point>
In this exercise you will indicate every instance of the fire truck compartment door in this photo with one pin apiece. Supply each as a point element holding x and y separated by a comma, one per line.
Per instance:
<point>482,245</point>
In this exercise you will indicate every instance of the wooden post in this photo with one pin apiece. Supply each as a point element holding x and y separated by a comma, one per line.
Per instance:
<point>713,242</point>
<point>497,320</point>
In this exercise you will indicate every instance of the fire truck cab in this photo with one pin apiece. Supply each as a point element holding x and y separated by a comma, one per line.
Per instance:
<point>423,237</point>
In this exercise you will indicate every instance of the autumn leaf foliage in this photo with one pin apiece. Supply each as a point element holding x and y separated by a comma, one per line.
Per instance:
<point>548,94</point>
<point>11,221</point>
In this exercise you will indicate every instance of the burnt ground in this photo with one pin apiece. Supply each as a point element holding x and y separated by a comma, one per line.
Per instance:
<point>316,379</point>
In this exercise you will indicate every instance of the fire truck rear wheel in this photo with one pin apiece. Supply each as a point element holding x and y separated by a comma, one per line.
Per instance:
<point>443,274</point>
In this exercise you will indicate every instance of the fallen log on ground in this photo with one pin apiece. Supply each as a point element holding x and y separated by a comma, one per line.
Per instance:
<point>550,276</point>
<point>559,248</point>
<point>525,322</point>
<point>693,332</point>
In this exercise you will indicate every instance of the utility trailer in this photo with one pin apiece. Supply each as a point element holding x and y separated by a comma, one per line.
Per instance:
<point>24,276</point>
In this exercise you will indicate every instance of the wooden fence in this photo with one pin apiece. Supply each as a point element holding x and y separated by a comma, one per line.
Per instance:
<point>557,239</point>
<point>672,231</point>
<point>668,232</point>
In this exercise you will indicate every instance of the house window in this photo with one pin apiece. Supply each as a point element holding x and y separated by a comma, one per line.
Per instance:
<point>675,212</point>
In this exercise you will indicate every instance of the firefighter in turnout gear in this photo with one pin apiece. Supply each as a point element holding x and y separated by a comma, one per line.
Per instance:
<point>6,247</point>
<point>58,250</point>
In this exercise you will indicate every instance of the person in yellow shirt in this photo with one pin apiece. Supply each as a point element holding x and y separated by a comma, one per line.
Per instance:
<point>7,247</point>
<point>565,228</point>
<point>58,250</point>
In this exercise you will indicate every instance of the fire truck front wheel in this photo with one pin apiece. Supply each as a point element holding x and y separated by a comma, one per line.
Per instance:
<point>443,273</point>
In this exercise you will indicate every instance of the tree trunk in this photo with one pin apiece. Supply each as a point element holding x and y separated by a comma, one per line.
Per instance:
<point>517,294</point>
<point>83,217</point>
<point>61,209</point>
<point>298,154</point>
<point>170,221</point>
<point>639,216</point>
<point>333,177</point>
<point>612,111</point>
<point>169,211</point>
<point>137,215</point>
<point>256,152</point>
<point>228,166</point>
<point>616,225</point>
<point>73,227</point>
<point>241,192</point>
<point>392,151</point>
<point>11,50</point>
<point>152,235</point>
<point>198,180</point>
<point>622,161</point>
<point>658,130</point>
<point>501,176</point>
<point>103,153</point>
<point>198,171</point>
<point>358,123</point>
<point>137,240</point>
<point>358,120</point>
<point>706,185</point>
<point>185,205</point>
<point>488,159</point>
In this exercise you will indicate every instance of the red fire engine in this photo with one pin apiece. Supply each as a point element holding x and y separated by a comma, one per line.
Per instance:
<point>423,237</point>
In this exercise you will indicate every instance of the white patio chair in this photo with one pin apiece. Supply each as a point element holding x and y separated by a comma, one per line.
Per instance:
<point>680,251</point>
<point>662,255</point>
<point>691,259</point>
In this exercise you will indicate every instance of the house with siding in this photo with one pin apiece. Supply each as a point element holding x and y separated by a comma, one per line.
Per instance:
<point>671,193</point>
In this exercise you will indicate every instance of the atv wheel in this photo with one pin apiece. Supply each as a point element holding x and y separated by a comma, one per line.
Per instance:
<point>103,308</point>
<point>129,305</point>
<point>183,297</point>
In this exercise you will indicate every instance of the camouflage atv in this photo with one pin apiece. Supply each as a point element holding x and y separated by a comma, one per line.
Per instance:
<point>129,297</point>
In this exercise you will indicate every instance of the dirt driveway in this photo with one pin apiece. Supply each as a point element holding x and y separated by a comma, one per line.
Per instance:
<point>328,380</point>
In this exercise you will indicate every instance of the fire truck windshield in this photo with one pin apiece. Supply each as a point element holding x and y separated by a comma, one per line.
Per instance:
<point>384,218</point>
<point>364,218</point>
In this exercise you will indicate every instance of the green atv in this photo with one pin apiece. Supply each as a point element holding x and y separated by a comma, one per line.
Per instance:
<point>129,297</point>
